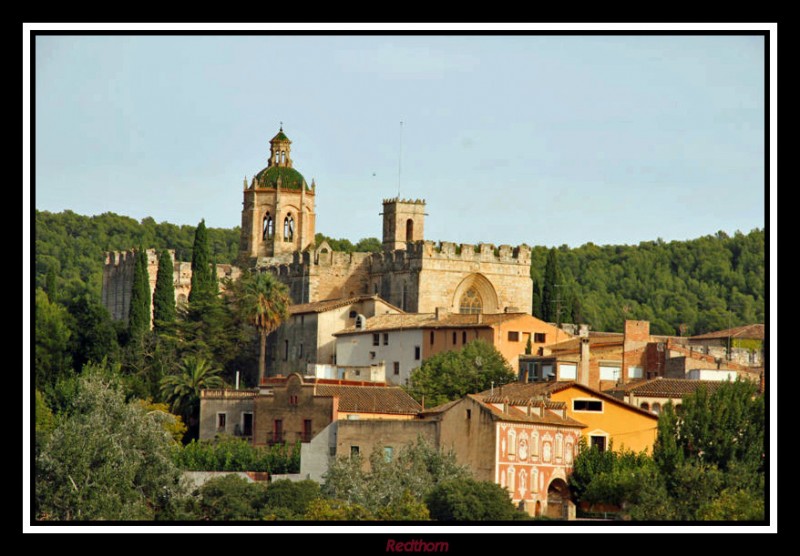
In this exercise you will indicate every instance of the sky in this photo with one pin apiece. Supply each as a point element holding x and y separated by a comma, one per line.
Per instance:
<point>544,140</point>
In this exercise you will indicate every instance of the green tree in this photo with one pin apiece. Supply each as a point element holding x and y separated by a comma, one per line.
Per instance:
<point>231,498</point>
<point>291,498</point>
<point>324,509</point>
<point>415,468</point>
<point>164,295</point>
<point>228,453</point>
<point>263,301</point>
<point>139,311</point>
<point>537,300</point>
<point>202,286</point>
<point>52,358</point>
<point>551,300</point>
<point>93,335</point>
<point>182,389</point>
<point>450,375</point>
<point>471,500</point>
<point>107,459</point>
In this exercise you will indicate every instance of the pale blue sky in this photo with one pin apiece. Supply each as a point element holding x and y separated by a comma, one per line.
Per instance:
<point>538,139</point>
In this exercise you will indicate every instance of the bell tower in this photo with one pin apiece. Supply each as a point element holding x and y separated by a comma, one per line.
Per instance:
<point>278,208</point>
<point>403,222</point>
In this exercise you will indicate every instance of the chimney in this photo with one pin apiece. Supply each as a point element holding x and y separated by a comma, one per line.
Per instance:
<point>583,330</point>
<point>441,313</point>
<point>583,371</point>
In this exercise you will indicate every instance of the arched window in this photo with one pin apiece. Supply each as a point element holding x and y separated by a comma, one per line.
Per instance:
<point>283,156</point>
<point>288,228</point>
<point>645,406</point>
<point>656,408</point>
<point>268,227</point>
<point>471,302</point>
<point>409,230</point>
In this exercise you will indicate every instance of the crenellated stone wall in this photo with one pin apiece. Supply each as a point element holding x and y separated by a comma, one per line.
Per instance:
<point>118,279</point>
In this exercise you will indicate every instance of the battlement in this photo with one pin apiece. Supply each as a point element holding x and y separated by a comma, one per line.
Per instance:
<point>404,201</point>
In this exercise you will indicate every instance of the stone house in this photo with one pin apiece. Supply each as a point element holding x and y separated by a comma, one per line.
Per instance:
<point>652,395</point>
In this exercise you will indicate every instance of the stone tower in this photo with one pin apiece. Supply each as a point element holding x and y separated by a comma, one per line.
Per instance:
<point>278,208</point>
<point>403,222</point>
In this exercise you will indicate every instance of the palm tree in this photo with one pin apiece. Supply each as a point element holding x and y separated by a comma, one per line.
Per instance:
<point>264,302</point>
<point>183,388</point>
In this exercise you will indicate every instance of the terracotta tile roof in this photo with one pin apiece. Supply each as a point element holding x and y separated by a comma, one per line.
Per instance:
<point>329,304</point>
<point>371,399</point>
<point>669,387</point>
<point>439,408</point>
<point>749,331</point>
<point>594,342</point>
<point>547,418</point>
<point>522,390</point>
<point>428,321</point>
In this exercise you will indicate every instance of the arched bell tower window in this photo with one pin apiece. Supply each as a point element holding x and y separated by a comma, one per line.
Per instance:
<point>268,227</point>
<point>471,302</point>
<point>288,228</point>
<point>409,230</point>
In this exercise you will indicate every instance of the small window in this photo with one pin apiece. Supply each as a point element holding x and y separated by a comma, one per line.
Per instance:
<point>539,338</point>
<point>609,372</point>
<point>376,339</point>
<point>247,424</point>
<point>464,337</point>
<point>645,406</point>
<point>286,350</point>
<point>417,353</point>
<point>469,414</point>
<point>431,336</point>
<point>353,314</point>
<point>221,419</point>
<point>587,405</point>
<point>397,367</point>
<point>372,355</point>
<point>386,338</point>
<point>354,450</point>
<point>300,351</point>
<point>513,336</point>
<point>567,372</point>
<point>306,430</point>
<point>599,442</point>
<point>635,372</point>
<point>293,399</point>
<point>388,454</point>
<point>454,338</point>
<point>656,408</point>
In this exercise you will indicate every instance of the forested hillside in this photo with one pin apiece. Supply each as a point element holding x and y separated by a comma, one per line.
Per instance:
<point>705,284</point>
<point>72,246</point>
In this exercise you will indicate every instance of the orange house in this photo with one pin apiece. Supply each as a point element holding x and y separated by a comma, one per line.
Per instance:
<point>610,422</point>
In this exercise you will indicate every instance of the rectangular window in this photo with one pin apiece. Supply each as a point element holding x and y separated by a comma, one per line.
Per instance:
<point>397,367</point>
<point>417,353</point>
<point>293,399</point>
<point>247,424</point>
<point>277,431</point>
<point>286,350</point>
<point>539,338</point>
<point>587,405</point>
<point>464,337</point>
<point>300,352</point>
<point>547,372</point>
<point>454,338</point>
<point>599,441</point>
<point>567,372</point>
<point>385,339</point>
<point>431,336</point>
<point>635,371</point>
<point>609,372</point>
<point>469,414</point>
<point>354,450</point>
<point>513,336</point>
<point>221,418</point>
<point>376,339</point>
<point>388,454</point>
<point>372,355</point>
<point>306,430</point>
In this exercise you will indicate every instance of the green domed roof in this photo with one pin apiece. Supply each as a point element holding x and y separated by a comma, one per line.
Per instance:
<point>281,136</point>
<point>290,178</point>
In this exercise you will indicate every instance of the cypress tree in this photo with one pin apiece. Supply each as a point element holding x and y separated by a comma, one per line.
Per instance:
<point>201,265</point>
<point>139,314</point>
<point>214,278</point>
<point>164,296</point>
<point>537,300</point>
<point>552,278</point>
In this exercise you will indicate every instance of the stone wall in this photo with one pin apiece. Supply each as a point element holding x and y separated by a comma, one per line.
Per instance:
<point>469,431</point>
<point>370,434</point>
<point>234,403</point>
